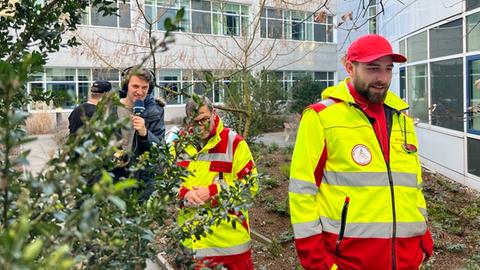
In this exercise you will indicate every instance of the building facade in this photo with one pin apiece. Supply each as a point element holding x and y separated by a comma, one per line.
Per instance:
<point>216,39</point>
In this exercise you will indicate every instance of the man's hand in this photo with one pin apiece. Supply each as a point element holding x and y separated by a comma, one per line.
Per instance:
<point>203,193</point>
<point>139,125</point>
<point>192,198</point>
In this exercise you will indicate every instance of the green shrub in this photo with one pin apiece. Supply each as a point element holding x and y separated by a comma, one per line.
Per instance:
<point>265,101</point>
<point>269,183</point>
<point>305,92</point>
<point>285,170</point>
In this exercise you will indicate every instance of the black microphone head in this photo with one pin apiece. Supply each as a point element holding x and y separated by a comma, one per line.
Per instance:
<point>138,107</point>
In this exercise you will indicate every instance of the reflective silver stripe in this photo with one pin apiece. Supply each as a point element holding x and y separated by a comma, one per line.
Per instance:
<point>327,102</point>
<point>231,138</point>
<point>218,251</point>
<point>424,212</point>
<point>214,157</point>
<point>302,187</point>
<point>374,229</point>
<point>362,179</point>
<point>224,157</point>
<point>307,229</point>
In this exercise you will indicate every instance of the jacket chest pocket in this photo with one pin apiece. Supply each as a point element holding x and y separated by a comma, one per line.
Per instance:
<point>403,150</point>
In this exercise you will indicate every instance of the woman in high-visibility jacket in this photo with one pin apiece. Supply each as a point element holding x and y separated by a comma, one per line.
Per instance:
<point>223,159</point>
<point>355,188</point>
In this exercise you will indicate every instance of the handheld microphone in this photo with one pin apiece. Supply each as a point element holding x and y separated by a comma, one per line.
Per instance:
<point>138,107</point>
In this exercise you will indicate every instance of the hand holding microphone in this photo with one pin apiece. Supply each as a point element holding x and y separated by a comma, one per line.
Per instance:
<point>137,121</point>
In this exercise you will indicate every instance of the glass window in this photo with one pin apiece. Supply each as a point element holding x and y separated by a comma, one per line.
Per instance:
<point>372,15</point>
<point>473,156</point>
<point>201,17</point>
<point>473,32</point>
<point>274,23</point>
<point>472,4</point>
<point>163,14</point>
<point>171,79</point>
<point>36,76</point>
<point>105,74</point>
<point>35,88</point>
<point>218,91</point>
<point>100,20</point>
<point>157,13</point>
<point>296,25</point>
<point>96,16</point>
<point>63,93</point>
<point>403,83</point>
<point>85,17</point>
<point>402,47</point>
<point>330,33</point>
<point>446,39</point>
<point>60,74</point>
<point>201,5</point>
<point>417,47</point>
<point>84,75</point>
<point>417,92</point>
<point>124,13</point>
<point>322,28</point>
<point>245,20</point>
<point>231,20</point>
<point>474,94</point>
<point>320,32</point>
<point>320,76</point>
<point>83,92</point>
<point>447,93</point>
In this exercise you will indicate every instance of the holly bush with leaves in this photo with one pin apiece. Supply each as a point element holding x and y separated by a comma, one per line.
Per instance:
<point>74,214</point>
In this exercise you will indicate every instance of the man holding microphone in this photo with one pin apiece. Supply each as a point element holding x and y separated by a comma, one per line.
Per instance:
<point>147,123</point>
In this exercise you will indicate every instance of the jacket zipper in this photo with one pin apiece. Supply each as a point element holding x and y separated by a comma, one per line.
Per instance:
<point>343,223</point>
<point>394,225</point>
<point>390,182</point>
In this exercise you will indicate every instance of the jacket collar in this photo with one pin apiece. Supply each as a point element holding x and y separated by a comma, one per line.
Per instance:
<point>341,92</point>
<point>212,141</point>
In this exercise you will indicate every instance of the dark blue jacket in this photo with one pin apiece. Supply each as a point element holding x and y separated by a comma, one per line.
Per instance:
<point>154,122</point>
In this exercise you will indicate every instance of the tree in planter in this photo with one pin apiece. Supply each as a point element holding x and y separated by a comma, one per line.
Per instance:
<point>305,92</point>
<point>56,219</point>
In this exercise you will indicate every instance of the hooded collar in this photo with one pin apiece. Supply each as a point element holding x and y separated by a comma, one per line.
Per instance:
<point>341,92</point>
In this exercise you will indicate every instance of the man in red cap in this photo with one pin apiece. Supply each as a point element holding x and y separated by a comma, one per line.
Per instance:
<point>355,188</point>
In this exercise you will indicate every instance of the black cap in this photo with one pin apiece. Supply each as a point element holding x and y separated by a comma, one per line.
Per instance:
<point>101,86</point>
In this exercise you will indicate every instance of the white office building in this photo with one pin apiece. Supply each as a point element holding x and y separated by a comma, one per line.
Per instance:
<point>217,37</point>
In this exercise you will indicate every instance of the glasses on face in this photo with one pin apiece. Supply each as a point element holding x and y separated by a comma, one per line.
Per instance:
<point>202,121</point>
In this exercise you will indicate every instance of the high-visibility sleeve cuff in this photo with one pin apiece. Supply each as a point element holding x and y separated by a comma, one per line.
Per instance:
<point>213,189</point>
<point>427,244</point>
<point>182,192</point>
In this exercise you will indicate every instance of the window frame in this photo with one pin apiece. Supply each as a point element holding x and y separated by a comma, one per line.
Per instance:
<point>87,18</point>
<point>468,62</point>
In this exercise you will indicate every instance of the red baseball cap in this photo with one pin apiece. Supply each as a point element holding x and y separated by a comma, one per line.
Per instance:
<point>369,48</point>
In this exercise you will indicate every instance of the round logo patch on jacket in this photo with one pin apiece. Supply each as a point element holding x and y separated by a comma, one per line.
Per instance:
<point>361,155</point>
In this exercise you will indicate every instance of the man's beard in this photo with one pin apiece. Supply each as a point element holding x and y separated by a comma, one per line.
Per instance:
<point>375,98</point>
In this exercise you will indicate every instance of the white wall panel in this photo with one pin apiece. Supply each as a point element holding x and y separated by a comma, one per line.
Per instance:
<point>444,149</point>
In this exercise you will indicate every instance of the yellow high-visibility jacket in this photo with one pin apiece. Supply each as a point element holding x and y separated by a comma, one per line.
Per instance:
<point>226,155</point>
<point>349,207</point>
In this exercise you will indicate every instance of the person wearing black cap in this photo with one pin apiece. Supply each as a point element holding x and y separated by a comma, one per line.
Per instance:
<point>87,109</point>
<point>355,187</point>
